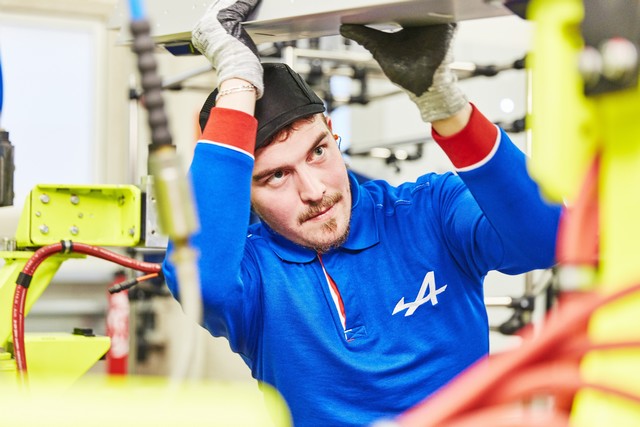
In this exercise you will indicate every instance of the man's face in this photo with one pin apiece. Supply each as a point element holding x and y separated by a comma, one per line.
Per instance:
<point>300,187</point>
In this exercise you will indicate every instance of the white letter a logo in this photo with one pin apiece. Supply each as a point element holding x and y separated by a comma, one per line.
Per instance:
<point>429,283</point>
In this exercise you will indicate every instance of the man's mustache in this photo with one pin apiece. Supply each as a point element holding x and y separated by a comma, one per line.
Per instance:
<point>316,208</point>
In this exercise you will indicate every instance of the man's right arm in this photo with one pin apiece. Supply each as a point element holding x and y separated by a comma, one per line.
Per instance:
<point>221,169</point>
<point>221,182</point>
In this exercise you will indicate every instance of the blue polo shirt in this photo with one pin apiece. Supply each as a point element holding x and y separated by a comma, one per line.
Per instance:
<point>410,277</point>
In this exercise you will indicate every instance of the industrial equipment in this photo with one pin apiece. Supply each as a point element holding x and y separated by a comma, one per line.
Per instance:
<point>97,216</point>
<point>281,21</point>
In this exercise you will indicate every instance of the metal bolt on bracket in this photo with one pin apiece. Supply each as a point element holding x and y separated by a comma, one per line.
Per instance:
<point>9,244</point>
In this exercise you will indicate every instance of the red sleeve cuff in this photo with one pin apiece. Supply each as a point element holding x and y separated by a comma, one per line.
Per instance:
<point>231,127</point>
<point>472,144</point>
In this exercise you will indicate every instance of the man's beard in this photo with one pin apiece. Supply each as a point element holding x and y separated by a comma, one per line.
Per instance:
<point>331,226</point>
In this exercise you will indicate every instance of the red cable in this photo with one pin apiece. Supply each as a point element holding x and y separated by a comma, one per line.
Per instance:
<point>20,294</point>
<point>577,239</point>
<point>560,380</point>
<point>552,378</point>
<point>19,302</point>
<point>467,391</point>
<point>510,416</point>
<point>578,346</point>
<point>19,298</point>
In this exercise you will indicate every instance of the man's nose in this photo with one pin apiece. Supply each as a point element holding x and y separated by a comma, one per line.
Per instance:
<point>310,186</point>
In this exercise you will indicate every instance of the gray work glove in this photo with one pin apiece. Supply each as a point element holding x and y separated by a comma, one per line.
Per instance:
<point>416,59</point>
<point>219,36</point>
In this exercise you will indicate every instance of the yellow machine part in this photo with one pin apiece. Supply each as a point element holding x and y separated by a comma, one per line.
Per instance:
<point>619,266</point>
<point>104,215</point>
<point>142,402</point>
<point>563,137</point>
<point>61,358</point>
<point>567,130</point>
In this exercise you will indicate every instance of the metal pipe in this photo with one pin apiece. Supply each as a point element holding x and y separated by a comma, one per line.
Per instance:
<point>498,301</point>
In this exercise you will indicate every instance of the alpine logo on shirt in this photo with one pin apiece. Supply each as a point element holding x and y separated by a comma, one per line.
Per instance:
<point>428,292</point>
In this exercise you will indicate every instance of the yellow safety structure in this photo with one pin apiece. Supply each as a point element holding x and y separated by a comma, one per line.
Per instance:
<point>568,130</point>
<point>144,402</point>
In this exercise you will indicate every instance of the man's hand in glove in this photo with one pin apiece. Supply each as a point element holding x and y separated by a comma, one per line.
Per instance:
<point>219,36</point>
<point>416,59</point>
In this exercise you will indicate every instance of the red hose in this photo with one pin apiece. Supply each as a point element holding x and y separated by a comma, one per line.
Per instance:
<point>20,294</point>
<point>577,240</point>
<point>468,391</point>
<point>19,298</point>
<point>511,416</point>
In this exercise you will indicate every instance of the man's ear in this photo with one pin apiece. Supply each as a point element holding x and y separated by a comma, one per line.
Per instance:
<point>329,125</point>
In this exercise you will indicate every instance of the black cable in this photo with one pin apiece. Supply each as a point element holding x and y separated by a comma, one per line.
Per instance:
<point>151,82</point>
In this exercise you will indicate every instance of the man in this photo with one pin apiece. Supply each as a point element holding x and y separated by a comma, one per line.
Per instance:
<point>354,301</point>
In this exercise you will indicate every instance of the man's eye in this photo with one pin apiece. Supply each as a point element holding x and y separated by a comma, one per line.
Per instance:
<point>275,177</point>
<point>319,151</point>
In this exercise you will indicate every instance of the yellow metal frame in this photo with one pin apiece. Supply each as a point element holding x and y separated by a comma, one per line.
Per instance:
<point>568,130</point>
<point>105,215</point>
<point>57,359</point>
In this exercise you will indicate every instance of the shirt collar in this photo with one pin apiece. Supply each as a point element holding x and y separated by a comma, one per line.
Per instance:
<point>363,229</point>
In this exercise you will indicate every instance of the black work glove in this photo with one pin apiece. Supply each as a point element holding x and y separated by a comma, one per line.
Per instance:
<point>219,36</point>
<point>416,59</point>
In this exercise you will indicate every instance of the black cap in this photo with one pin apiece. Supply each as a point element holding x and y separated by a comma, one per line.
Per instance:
<point>286,98</point>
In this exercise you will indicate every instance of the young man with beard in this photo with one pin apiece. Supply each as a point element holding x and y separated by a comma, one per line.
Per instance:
<point>355,301</point>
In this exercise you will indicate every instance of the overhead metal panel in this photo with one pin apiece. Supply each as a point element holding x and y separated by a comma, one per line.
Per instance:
<point>284,20</point>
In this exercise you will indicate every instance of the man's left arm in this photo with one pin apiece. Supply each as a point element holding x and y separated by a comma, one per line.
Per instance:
<point>495,172</point>
<point>418,59</point>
